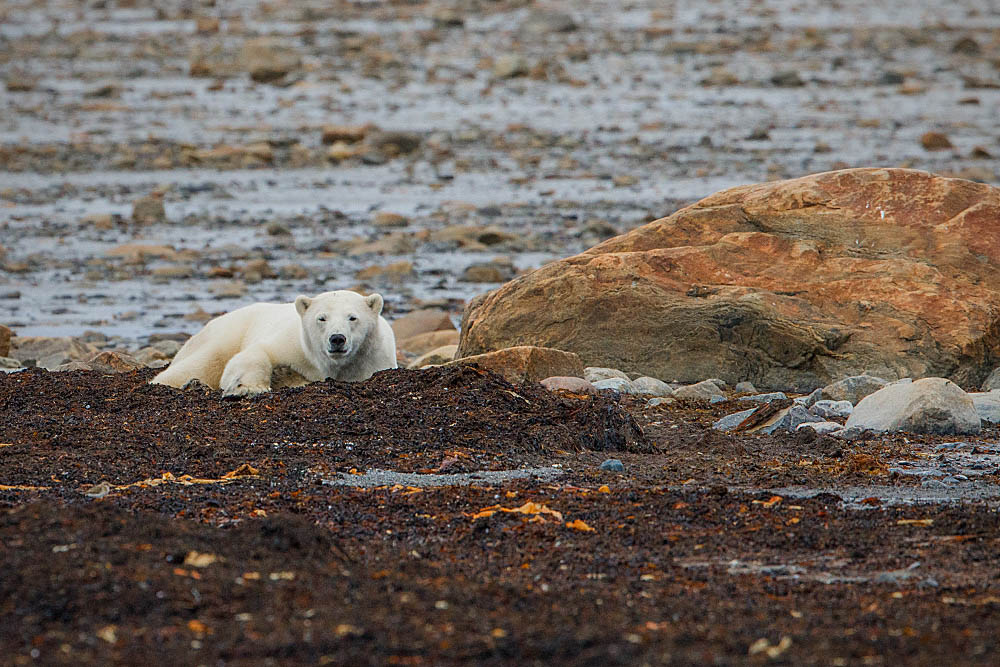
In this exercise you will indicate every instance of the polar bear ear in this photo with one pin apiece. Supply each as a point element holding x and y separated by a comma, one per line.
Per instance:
<point>302,304</point>
<point>375,302</point>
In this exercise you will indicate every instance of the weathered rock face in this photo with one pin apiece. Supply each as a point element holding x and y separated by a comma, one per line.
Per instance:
<point>790,285</point>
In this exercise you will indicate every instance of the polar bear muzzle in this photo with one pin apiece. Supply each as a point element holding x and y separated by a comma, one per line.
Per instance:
<point>337,344</point>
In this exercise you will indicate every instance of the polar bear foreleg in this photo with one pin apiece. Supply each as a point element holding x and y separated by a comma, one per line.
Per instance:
<point>247,373</point>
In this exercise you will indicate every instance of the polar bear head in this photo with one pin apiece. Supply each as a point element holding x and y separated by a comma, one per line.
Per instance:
<point>337,325</point>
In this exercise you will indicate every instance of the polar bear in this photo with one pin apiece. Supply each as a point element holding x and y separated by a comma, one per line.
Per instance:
<point>340,335</point>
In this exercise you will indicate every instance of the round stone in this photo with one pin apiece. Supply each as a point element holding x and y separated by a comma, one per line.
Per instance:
<point>613,465</point>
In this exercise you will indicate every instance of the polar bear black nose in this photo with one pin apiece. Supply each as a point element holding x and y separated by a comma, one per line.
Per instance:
<point>337,340</point>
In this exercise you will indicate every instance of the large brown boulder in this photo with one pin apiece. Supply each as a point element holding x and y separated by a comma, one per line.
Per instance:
<point>789,285</point>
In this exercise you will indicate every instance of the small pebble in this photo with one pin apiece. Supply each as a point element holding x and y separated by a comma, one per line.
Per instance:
<point>659,400</point>
<point>613,465</point>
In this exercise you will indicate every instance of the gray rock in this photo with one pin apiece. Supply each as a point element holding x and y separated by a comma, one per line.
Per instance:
<point>614,384</point>
<point>702,391</point>
<point>828,409</point>
<point>613,465</point>
<point>718,398</point>
<point>853,388</point>
<point>811,399</point>
<point>49,353</point>
<point>651,387</point>
<point>992,381</point>
<point>821,428</point>
<point>745,388</point>
<point>71,366</point>
<point>930,405</point>
<point>168,347</point>
<point>653,402</point>
<point>597,373</point>
<point>987,406</point>
<point>852,433</point>
<point>729,422</point>
<point>787,79</point>
<point>540,22</point>
<point>765,398</point>
<point>9,364</point>
<point>568,383</point>
<point>788,419</point>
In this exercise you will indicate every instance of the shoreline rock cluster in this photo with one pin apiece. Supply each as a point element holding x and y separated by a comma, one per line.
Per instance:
<point>851,408</point>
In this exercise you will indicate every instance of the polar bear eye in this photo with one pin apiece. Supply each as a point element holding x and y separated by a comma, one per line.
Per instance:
<point>353,318</point>
<point>321,318</point>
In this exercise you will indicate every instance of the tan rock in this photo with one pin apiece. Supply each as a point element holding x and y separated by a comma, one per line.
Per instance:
<point>149,210</point>
<point>348,134</point>
<point>6,334</point>
<point>510,65</point>
<point>435,357</point>
<point>102,221</point>
<point>488,272</point>
<point>421,321</point>
<point>206,25</point>
<point>526,363</point>
<point>935,141</point>
<point>393,143</point>
<point>251,155</point>
<point>20,83</point>
<point>267,60</point>
<point>341,151</point>
<point>395,272</point>
<point>789,285</point>
<point>293,272</point>
<point>142,252</point>
<point>425,342</point>
<point>72,366</point>
<point>210,61</point>
<point>172,272</point>
<point>115,362</point>
<point>466,236</point>
<point>386,219</point>
<point>256,270</point>
<point>396,243</point>
<point>574,385</point>
<point>228,289</point>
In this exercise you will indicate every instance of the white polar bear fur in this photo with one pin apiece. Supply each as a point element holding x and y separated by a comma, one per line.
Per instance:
<point>340,335</point>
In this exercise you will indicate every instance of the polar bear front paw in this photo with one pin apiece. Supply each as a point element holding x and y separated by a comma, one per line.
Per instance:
<point>240,389</point>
